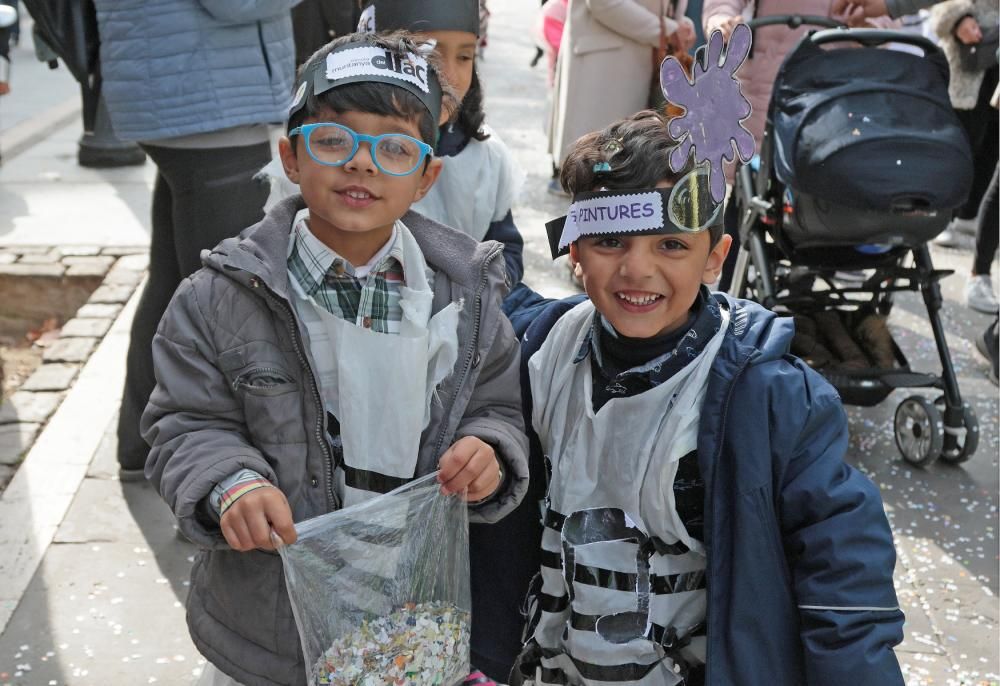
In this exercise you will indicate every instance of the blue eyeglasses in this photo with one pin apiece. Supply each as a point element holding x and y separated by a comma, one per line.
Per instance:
<point>333,145</point>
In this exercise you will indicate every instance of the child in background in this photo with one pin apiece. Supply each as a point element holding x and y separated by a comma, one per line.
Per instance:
<point>688,455</point>
<point>478,186</point>
<point>282,363</point>
<point>480,180</point>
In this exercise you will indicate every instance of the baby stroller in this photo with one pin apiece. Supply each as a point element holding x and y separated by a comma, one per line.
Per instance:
<point>861,164</point>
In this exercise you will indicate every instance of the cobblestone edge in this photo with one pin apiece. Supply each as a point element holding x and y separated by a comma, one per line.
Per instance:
<point>121,268</point>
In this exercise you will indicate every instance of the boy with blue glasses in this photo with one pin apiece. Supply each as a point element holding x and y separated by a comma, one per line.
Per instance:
<point>336,350</point>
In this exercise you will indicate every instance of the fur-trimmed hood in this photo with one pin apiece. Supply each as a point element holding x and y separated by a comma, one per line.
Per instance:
<point>964,85</point>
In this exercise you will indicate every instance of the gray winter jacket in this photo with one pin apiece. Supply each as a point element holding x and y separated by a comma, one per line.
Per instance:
<point>207,419</point>
<point>178,67</point>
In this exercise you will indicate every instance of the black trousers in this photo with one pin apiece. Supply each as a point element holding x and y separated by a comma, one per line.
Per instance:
<point>988,227</point>
<point>200,197</point>
<point>980,124</point>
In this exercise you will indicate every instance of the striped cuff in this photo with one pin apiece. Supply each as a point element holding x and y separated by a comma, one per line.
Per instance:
<point>235,487</point>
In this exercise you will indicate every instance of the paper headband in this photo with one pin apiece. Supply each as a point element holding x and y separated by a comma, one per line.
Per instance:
<point>420,15</point>
<point>688,207</point>
<point>360,62</point>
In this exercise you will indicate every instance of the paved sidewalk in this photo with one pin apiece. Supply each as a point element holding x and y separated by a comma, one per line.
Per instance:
<point>104,604</point>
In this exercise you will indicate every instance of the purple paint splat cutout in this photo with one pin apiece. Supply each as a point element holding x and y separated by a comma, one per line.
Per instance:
<point>714,107</point>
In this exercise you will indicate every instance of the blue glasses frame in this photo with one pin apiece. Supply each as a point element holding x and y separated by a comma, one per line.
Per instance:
<point>373,141</point>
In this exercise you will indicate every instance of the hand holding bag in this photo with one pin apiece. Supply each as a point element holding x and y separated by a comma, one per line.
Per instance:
<point>380,590</point>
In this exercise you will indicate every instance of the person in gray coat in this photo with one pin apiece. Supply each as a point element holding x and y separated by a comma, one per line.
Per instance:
<point>337,349</point>
<point>195,83</point>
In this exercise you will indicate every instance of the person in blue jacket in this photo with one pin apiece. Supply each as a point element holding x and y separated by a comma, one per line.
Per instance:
<point>196,83</point>
<point>699,524</point>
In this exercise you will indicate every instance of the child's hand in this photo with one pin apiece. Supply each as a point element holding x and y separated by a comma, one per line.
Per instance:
<point>248,522</point>
<point>4,88</point>
<point>469,464</point>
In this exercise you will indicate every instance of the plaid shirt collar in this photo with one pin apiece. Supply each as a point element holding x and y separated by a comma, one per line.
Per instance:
<point>318,259</point>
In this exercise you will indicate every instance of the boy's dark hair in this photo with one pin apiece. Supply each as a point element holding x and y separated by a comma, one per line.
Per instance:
<point>638,151</point>
<point>377,97</point>
<point>470,117</point>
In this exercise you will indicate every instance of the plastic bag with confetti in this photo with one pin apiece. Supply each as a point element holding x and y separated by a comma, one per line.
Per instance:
<point>380,590</point>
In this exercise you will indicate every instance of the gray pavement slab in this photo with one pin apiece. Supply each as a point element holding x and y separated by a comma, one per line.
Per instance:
<point>25,406</point>
<point>106,605</point>
<point>34,86</point>
<point>46,198</point>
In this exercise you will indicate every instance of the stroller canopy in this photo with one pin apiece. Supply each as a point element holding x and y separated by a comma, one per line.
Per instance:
<point>869,128</point>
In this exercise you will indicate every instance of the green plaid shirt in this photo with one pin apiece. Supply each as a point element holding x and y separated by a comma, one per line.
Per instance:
<point>368,295</point>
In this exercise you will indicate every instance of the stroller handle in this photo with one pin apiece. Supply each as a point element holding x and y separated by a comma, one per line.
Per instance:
<point>871,38</point>
<point>794,21</point>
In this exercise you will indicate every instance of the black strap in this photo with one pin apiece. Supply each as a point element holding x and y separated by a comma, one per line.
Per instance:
<point>374,482</point>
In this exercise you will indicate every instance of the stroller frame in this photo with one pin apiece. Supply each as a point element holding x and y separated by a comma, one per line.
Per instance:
<point>773,274</point>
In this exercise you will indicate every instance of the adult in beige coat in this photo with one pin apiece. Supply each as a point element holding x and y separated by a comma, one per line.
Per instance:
<point>605,64</point>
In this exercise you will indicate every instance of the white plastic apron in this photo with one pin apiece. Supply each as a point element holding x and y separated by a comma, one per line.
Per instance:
<point>620,460</point>
<point>477,187</point>
<point>378,385</point>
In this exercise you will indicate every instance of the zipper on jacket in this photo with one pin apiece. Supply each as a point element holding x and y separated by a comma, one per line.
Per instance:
<point>269,371</point>
<point>332,498</point>
<point>718,454</point>
<point>263,49</point>
<point>477,301</point>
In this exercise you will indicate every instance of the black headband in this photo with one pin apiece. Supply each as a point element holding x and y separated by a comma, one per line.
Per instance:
<point>362,62</point>
<point>420,15</point>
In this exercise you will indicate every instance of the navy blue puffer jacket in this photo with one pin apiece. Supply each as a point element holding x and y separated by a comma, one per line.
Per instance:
<point>800,555</point>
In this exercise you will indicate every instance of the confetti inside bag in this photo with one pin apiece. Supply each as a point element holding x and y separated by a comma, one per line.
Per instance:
<point>380,590</point>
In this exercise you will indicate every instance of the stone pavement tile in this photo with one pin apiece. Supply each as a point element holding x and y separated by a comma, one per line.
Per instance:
<point>25,406</point>
<point>94,269</point>
<point>106,613</point>
<point>85,328</point>
<point>15,439</point>
<point>111,294</point>
<point>117,250</point>
<point>135,262</point>
<point>919,635</point>
<point>41,258</point>
<point>51,377</point>
<point>79,250</point>
<point>98,311</point>
<point>107,510</point>
<point>123,276</point>
<point>22,269</point>
<point>104,465</point>
<point>70,349</point>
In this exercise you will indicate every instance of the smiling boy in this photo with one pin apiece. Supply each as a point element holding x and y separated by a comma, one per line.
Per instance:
<point>338,349</point>
<point>700,524</point>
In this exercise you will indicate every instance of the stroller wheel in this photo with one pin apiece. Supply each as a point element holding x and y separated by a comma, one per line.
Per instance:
<point>919,429</point>
<point>966,437</point>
